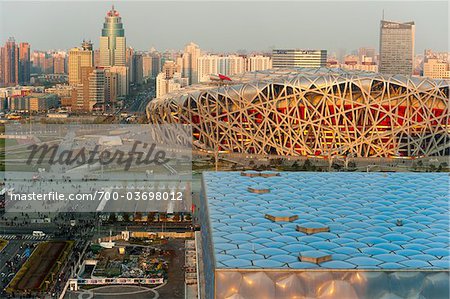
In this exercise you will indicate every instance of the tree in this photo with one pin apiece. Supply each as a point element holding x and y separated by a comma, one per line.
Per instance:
<point>176,217</point>
<point>150,217</point>
<point>138,216</point>
<point>336,166</point>
<point>188,217</point>
<point>126,217</point>
<point>308,166</point>
<point>112,217</point>
<point>162,217</point>
<point>276,162</point>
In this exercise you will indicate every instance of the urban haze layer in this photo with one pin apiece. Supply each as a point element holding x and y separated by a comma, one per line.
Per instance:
<point>281,159</point>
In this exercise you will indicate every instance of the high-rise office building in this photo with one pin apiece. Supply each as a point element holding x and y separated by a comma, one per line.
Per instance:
<point>110,87</point>
<point>78,58</point>
<point>258,63</point>
<point>81,96</point>
<point>97,90</point>
<point>129,52</point>
<point>156,64</point>
<point>10,63</point>
<point>138,68</point>
<point>37,62</point>
<point>89,94</point>
<point>175,55</point>
<point>189,68</point>
<point>2,80</point>
<point>170,68</point>
<point>123,79</point>
<point>113,51</point>
<point>24,63</point>
<point>146,66</point>
<point>59,63</point>
<point>48,63</point>
<point>396,47</point>
<point>299,58</point>
<point>231,65</point>
<point>213,64</point>
<point>135,67</point>
<point>112,41</point>
<point>207,65</point>
<point>97,57</point>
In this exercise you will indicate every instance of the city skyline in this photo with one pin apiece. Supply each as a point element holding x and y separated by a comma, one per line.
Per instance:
<point>171,27</point>
<point>196,149</point>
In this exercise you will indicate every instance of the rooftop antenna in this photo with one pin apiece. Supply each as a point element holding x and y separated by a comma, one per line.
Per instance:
<point>382,17</point>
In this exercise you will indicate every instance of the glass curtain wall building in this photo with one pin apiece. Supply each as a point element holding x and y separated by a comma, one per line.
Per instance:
<point>112,41</point>
<point>396,47</point>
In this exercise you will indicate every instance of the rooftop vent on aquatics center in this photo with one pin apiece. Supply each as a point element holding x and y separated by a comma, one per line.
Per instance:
<point>315,257</point>
<point>258,190</point>
<point>310,229</point>
<point>280,216</point>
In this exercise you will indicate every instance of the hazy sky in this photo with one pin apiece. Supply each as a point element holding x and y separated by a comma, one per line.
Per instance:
<point>223,26</point>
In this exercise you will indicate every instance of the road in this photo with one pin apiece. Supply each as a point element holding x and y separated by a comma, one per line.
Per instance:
<point>12,258</point>
<point>26,229</point>
<point>140,99</point>
<point>9,251</point>
<point>174,288</point>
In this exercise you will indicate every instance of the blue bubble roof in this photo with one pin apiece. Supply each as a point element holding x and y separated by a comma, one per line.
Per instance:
<point>360,209</point>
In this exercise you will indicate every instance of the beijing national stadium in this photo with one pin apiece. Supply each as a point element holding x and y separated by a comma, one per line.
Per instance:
<point>320,112</point>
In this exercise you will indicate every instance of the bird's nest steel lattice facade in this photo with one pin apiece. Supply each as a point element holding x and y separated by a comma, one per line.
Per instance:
<point>314,112</point>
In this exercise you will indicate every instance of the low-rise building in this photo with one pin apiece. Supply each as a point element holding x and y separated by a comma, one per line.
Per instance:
<point>282,58</point>
<point>365,63</point>
<point>33,103</point>
<point>61,90</point>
